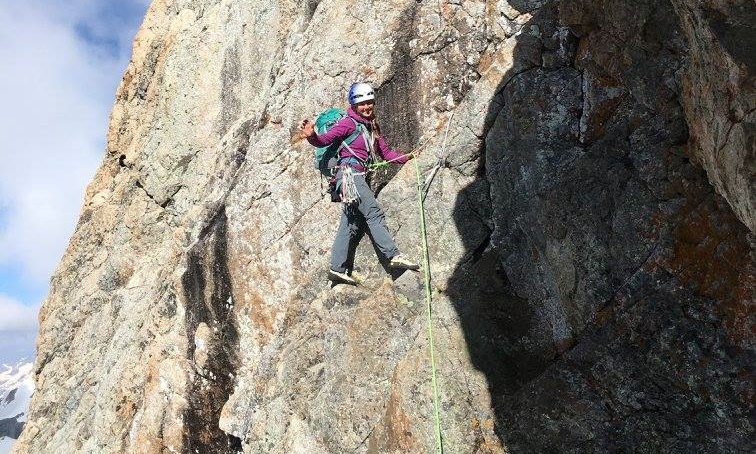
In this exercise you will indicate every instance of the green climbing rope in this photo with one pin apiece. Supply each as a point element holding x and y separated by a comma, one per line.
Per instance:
<point>378,165</point>
<point>422,187</point>
<point>426,278</point>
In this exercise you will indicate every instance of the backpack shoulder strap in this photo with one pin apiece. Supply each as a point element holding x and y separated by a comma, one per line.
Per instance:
<point>357,131</point>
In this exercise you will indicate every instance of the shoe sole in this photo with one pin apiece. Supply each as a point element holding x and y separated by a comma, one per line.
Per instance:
<point>340,280</point>
<point>405,267</point>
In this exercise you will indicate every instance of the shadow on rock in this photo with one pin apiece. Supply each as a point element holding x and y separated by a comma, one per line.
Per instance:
<point>608,306</point>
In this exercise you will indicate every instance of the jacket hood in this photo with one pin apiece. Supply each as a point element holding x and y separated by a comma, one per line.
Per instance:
<point>357,117</point>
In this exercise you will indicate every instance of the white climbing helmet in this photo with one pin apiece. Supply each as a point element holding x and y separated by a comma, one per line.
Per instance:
<point>360,92</point>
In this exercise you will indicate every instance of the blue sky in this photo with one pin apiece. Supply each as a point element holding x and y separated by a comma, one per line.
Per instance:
<point>62,61</point>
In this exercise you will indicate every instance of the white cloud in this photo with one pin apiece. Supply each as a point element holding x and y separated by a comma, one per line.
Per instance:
<point>16,316</point>
<point>57,87</point>
<point>62,62</point>
<point>17,345</point>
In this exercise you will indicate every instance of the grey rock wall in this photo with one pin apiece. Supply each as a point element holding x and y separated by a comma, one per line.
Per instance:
<point>591,252</point>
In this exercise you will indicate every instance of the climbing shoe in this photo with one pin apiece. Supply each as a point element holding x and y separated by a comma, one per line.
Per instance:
<point>341,278</point>
<point>400,261</point>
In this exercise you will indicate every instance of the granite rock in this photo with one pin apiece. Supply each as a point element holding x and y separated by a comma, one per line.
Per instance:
<point>591,236</point>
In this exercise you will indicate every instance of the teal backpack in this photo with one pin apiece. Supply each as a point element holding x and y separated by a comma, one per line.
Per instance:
<point>327,157</point>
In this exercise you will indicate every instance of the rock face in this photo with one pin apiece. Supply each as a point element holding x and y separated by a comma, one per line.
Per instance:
<point>593,292</point>
<point>719,98</point>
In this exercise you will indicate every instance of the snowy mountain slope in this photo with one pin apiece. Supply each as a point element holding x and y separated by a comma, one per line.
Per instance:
<point>16,388</point>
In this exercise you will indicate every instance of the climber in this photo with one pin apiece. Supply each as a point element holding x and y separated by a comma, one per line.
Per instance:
<point>353,174</point>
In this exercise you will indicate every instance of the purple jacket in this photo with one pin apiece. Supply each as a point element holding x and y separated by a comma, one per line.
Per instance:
<point>343,129</point>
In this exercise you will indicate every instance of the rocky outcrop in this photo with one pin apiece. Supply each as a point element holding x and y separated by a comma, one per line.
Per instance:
<point>592,291</point>
<point>719,98</point>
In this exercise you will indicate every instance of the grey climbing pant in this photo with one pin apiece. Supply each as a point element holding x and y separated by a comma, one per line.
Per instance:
<point>355,218</point>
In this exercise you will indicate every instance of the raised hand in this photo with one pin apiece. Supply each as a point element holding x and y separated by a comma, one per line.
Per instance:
<point>307,127</point>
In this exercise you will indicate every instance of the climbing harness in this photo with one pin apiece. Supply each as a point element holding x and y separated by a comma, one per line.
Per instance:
<point>348,189</point>
<point>328,161</point>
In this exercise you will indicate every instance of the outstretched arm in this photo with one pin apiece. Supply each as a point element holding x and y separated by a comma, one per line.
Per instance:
<point>391,155</point>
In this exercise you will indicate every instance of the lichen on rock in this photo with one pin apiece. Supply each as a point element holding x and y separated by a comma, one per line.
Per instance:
<point>590,227</point>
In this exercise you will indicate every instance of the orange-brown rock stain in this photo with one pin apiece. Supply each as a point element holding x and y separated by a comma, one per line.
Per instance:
<point>394,432</point>
<point>247,299</point>
<point>149,441</point>
<point>484,443</point>
<point>253,305</point>
<point>711,255</point>
<point>126,408</point>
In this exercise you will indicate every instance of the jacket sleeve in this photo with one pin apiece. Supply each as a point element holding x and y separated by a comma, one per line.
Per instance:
<point>340,131</point>
<point>391,155</point>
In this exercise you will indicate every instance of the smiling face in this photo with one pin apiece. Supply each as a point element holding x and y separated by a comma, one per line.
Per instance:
<point>365,108</point>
